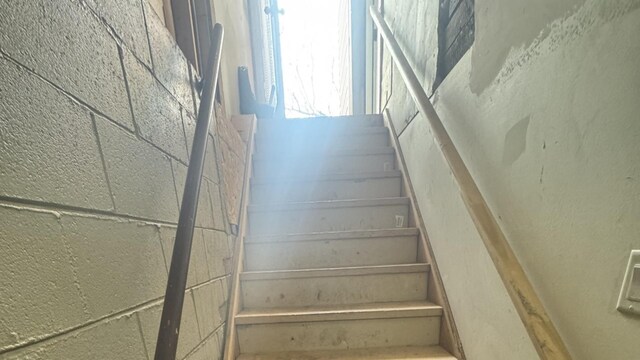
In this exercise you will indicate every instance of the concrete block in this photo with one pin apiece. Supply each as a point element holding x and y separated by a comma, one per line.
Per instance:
<point>208,350</point>
<point>220,333</point>
<point>127,20</point>
<point>232,178</point>
<point>66,44</point>
<point>119,264</point>
<point>169,63</point>
<point>158,7</point>
<point>189,125</point>
<point>116,338</point>
<point>39,296</point>
<point>220,292</point>
<point>210,161</point>
<point>140,175</point>
<point>229,134</point>
<point>198,264</point>
<point>205,215</point>
<point>199,260</point>
<point>217,249</point>
<point>242,123</point>
<point>219,218</point>
<point>48,148</point>
<point>195,78</point>
<point>210,167</point>
<point>189,336</point>
<point>156,112</point>
<point>207,308</point>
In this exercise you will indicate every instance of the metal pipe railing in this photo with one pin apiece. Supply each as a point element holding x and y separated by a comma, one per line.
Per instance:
<point>541,330</point>
<point>174,296</point>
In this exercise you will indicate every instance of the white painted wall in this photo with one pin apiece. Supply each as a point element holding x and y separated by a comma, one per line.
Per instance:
<point>234,16</point>
<point>544,110</point>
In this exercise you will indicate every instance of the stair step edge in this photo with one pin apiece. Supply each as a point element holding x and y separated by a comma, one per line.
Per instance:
<point>338,313</point>
<point>334,272</point>
<point>268,180</point>
<point>334,235</point>
<point>329,204</point>
<point>371,151</point>
<point>393,353</point>
<point>348,130</point>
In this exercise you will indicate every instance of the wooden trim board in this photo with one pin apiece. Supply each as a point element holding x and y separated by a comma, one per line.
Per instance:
<point>231,345</point>
<point>449,337</point>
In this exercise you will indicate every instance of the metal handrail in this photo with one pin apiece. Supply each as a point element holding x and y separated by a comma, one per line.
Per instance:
<point>174,296</point>
<point>541,330</point>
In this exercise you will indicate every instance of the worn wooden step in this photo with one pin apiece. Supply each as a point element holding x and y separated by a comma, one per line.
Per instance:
<point>392,353</point>
<point>319,216</point>
<point>334,286</point>
<point>330,162</point>
<point>320,140</point>
<point>331,249</point>
<point>339,312</point>
<point>339,327</point>
<point>327,187</point>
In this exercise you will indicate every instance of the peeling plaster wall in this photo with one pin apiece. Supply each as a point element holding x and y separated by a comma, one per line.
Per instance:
<point>544,111</point>
<point>97,116</point>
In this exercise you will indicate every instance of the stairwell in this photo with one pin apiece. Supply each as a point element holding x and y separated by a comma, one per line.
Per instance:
<point>331,265</point>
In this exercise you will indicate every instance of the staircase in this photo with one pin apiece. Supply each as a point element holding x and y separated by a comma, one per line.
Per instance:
<point>331,266</point>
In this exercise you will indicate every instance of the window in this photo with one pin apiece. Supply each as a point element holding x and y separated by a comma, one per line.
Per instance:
<point>456,34</point>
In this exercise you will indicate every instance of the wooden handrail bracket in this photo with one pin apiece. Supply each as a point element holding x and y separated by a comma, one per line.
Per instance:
<point>541,330</point>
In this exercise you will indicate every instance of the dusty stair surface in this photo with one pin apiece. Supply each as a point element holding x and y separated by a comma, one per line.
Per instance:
<point>331,267</point>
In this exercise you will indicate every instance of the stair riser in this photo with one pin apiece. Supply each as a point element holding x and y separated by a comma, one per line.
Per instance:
<point>292,255</point>
<point>326,190</point>
<point>305,127</point>
<point>334,335</point>
<point>281,145</point>
<point>328,219</point>
<point>337,290</point>
<point>309,166</point>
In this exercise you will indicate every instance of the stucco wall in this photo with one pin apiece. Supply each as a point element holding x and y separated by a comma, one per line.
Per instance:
<point>96,123</point>
<point>544,111</point>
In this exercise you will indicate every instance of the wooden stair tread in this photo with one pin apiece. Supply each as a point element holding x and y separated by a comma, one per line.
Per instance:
<point>339,131</point>
<point>378,150</point>
<point>334,235</point>
<point>327,177</point>
<point>339,312</point>
<point>332,272</point>
<point>329,204</point>
<point>395,353</point>
<point>346,121</point>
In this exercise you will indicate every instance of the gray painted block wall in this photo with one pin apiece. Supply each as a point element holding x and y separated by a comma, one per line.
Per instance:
<point>96,120</point>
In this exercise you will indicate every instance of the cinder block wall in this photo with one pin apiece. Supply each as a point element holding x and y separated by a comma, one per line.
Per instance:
<point>97,116</point>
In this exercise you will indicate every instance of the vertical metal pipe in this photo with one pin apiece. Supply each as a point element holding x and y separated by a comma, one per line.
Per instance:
<point>169,330</point>
<point>277,58</point>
